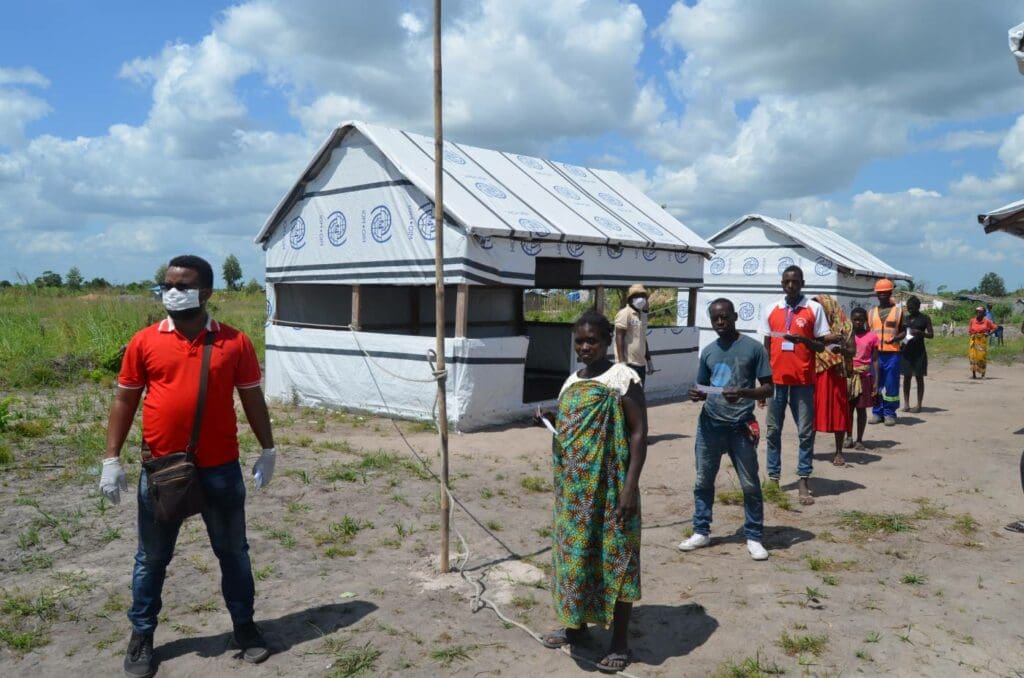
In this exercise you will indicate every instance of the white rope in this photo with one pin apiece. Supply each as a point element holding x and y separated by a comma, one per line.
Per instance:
<point>478,601</point>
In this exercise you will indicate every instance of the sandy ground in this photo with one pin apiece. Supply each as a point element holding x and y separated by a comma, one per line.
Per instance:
<point>941,599</point>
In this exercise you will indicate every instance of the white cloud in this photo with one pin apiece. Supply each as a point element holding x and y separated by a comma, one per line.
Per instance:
<point>964,139</point>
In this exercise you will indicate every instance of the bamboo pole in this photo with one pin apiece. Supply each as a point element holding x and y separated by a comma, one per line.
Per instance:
<point>442,401</point>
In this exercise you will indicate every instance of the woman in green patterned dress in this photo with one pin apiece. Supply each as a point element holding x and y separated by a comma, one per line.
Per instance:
<point>598,452</point>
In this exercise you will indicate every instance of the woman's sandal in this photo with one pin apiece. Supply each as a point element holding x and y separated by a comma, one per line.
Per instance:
<point>562,637</point>
<point>838,459</point>
<point>614,662</point>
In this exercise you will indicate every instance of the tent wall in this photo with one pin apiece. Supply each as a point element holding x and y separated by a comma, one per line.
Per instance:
<point>485,386</point>
<point>747,269</point>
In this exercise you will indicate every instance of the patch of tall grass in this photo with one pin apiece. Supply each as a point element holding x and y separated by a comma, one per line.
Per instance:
<point>52,337</point>
<point>955,348</point>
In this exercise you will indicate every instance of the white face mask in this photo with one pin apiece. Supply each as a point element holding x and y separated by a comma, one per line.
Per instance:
<point>180,300</point>
<point>640,304</point>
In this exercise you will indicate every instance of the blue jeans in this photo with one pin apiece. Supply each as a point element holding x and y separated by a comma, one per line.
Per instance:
<point>888,384</point>
<point>801,404</point>
<point>714,439</point>
<point>224,516</point>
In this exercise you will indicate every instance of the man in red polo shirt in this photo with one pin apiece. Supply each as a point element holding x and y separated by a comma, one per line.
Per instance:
<point>165,360</point>
<point>793,330</point>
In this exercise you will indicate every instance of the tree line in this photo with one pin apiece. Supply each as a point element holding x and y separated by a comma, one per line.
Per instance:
<point>231,272</point>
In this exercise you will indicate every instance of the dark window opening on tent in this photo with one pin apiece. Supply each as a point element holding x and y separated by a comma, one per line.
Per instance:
<point>397,309</point>
<point>557,272</point>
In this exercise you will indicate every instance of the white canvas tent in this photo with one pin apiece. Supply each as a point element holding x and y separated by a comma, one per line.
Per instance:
<point>1009,218</point>
<point>752,252</point>
<point>350,272</point>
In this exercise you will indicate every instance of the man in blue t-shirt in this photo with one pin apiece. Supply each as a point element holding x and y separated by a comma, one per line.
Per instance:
<point>737,370</point>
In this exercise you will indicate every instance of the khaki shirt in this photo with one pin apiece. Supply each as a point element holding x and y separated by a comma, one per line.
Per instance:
<point>635,325</point>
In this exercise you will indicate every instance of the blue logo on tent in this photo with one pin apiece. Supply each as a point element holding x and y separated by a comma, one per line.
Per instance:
<point>574,170</point>
<point>682,308</point>
<point>649,254</point>
<point>650,228</point>
<point>483,241</point>
<point>336,228</point>
<point>532,248</point>
<point>784,263</point>
<point>380,223</point>
<point>610,199</point>
<point>270,309</point>
<point>425,222</point>
<point>297,233</point>
<point>746,310</point>
<point>721,375</point>
<point>567,192</point>
<point>538,228</point>
<point>822,266</point>
<point>614,251</point>
<point>490,190</point>
<point>532,163</point>
<point>573,296</point>
<point>717,266</point>
<point>574,249</point>
<point>608,223</point>
<point>452,156</point>
<point>751,265</point>
<point>677,330</point>
<point>682,257</point>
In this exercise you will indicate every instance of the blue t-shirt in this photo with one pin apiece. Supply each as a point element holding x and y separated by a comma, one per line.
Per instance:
<point>740,363</point>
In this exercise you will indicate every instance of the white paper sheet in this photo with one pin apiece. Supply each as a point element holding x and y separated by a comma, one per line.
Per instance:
<point>710,390</point>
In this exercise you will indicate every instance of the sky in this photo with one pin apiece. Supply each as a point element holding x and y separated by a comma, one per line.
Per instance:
<point>131,132</point>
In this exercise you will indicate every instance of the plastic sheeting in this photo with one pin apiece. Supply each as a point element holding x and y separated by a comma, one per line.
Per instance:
<point>492,193</point>
<point>749,260</point>
<point>328,368</point>
<point>1009,218</point>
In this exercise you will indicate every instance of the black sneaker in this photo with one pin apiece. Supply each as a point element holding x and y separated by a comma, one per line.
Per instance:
<point>138,660</point>
<point>249,639</point>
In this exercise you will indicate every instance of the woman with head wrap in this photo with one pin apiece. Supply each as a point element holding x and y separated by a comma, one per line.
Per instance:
<point>832,367</point>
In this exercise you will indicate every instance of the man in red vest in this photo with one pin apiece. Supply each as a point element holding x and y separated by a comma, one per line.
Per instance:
<point>793,330</point>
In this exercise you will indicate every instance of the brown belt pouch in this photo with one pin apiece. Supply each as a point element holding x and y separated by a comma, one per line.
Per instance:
<point>175,490</point>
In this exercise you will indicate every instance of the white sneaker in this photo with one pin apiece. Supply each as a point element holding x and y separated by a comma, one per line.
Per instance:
<point>695,541</point>
<point>757,552</point>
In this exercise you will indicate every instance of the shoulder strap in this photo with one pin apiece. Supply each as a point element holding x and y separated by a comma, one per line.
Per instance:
<point>204,374</point>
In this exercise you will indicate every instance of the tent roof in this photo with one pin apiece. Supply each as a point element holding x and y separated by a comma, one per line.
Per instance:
<point>492,193</point>
<point>1009,218</point>
<point>823,242</point>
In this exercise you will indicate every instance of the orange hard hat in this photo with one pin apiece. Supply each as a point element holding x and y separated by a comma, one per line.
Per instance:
<point>884,285</point>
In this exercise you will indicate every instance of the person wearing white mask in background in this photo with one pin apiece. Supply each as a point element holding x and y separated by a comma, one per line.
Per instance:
<point>631,333</point>
<point>166,360</point>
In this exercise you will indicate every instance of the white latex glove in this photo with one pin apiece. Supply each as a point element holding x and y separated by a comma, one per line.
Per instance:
<point>113,480</point>
<point>263,470</point>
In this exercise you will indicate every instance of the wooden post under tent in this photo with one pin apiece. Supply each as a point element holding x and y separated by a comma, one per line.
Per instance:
<point>751,254</point>
<point>361,214</point>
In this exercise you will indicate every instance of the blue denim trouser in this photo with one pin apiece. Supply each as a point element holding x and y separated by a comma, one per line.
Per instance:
<point>801,404</point>
<point>888,384</point>
<point>713,440</point>
<point>224,516</point>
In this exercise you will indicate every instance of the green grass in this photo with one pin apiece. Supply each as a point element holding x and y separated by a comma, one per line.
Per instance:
<point>54,337</point>
<point>861,521</point>
<point>348,661</point>
<point>534,484</point>
<point>773,494</point>
<point>751,667</point>
<point>911,578</point>
<point>796,645</point>
<point>955,348</point>
<point>446,656</point>
<point>341,532</point>
<point>965,523</point>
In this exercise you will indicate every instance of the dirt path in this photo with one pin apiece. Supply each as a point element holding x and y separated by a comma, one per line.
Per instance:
<point>344,545</point>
